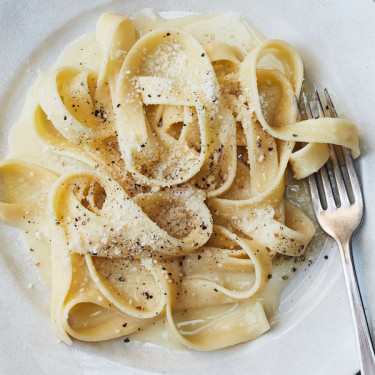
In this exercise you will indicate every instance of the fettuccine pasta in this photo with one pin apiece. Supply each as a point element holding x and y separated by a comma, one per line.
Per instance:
<point>151,165</point>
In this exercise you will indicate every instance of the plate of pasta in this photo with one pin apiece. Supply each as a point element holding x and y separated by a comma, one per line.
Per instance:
<point>155,214</point>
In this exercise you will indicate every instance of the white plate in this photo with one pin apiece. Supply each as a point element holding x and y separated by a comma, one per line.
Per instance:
<point>314,334</point>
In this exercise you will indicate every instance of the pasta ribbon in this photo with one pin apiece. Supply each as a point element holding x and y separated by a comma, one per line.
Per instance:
<point>280,122</point>
<point>166,67</point>
<point>99,218</point>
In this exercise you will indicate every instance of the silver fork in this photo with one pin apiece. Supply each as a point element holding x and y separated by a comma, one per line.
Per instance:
<point>338,206</point>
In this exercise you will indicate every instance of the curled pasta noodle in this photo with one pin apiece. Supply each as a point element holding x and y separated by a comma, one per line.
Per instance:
<point>157,187</point>
<point>187,78</point>
<point>67,98</point>
<point>99,218</point>
<point>283,125</point>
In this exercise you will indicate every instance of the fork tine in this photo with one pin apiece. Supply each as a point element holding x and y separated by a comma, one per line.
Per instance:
<point>307,107</point>
<point>331,107</point>
<point>316,202</point>
<point>340,183</point>
<point>312,178</point>
<point>348,157</point>
<point>327,187</point>
<point>356,187</point>
<point>319,104</point>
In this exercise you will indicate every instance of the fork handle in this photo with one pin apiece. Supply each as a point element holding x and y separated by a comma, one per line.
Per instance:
<point>364,342</point>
